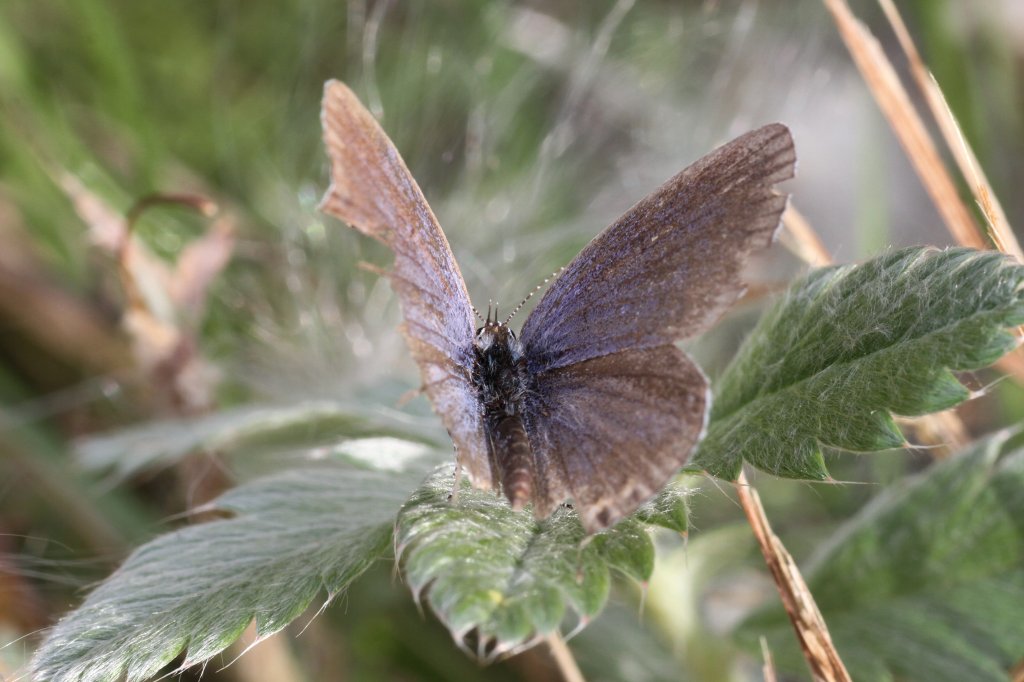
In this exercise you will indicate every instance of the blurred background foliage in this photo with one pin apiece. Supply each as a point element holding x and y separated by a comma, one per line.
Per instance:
<point>529,126</point>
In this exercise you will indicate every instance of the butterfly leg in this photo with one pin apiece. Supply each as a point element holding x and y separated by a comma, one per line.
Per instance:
<point>454,496</point>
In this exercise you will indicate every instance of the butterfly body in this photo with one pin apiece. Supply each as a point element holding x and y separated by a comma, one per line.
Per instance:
<point>592,402</point>
<point>501,377</point>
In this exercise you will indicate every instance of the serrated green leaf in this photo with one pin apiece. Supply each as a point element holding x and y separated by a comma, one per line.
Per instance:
<point>927,582</point>
<point>499,578</point>
<point>294,536</point>
<point>249,427</point>
<point>850,346</point>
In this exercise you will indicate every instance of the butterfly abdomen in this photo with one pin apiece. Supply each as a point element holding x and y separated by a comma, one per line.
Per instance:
<point>502,380</point>
<point>514,458</point>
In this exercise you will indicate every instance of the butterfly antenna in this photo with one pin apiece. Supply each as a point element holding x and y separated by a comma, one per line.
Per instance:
<point>476,312</point>
<point>533,293</point>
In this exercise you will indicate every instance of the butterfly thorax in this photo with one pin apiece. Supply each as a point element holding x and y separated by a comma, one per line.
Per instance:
<point>501,377</point>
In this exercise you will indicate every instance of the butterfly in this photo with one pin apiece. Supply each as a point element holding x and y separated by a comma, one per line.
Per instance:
<point>592,401</point>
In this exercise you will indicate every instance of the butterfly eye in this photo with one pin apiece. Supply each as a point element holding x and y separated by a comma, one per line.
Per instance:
<point>484,337</point>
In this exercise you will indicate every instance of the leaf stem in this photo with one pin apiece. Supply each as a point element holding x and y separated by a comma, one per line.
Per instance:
<point>811,631</point>
<point>566,662</point>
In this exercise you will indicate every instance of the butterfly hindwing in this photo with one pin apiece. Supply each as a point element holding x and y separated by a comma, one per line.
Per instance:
<point>609,432</point>
<point>373,191</point>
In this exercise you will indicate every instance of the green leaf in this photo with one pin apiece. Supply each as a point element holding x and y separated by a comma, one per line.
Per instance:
<point>249,428</point>
<point>927,582</point>
<point>668,509</point>
<point>293,536</point>
<point>850,346</point>
<point>499,579</point>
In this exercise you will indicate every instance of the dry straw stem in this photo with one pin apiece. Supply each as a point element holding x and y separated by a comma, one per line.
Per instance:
<point>943,430</point>
<point>564,659</point>
<point>801,239</point>
<point>1017,674</point>
<point>768,668</point>
<point>811,631</point>
<point>269,660</point>
<point>895,103</point>
<point>815,641</point>
<point>999,226</point>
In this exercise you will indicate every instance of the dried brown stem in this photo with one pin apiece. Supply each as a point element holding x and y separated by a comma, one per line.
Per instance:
<point>567,665</point>
<point>999,227</point>
<point>1017,673</point>
<point>906,123</point>
<point>803,240</point>
<point>811,631</point>
<point>270,660</point>
<point>892,97</point>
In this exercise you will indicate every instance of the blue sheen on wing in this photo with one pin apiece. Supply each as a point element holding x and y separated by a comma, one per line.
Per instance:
<point>669,267</point>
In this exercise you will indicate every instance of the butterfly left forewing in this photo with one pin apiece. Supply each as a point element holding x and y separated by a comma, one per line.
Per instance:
<point>610,432</point>
<point>373,191</point>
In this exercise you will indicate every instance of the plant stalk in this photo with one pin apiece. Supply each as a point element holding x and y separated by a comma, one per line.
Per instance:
<point>811,631</point>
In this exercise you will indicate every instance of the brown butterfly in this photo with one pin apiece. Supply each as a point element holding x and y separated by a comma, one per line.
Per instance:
<point>592,401</point>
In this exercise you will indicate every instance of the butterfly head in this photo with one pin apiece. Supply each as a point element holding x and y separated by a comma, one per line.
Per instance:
<point>495,335</point>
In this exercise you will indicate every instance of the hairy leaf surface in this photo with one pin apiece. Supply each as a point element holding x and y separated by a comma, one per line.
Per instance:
<point>294,536</point>
<point>850,346</point>
<point>499,579</point>
<point>927,582</point>
<point>250,427</point>
<point>668,509</point>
